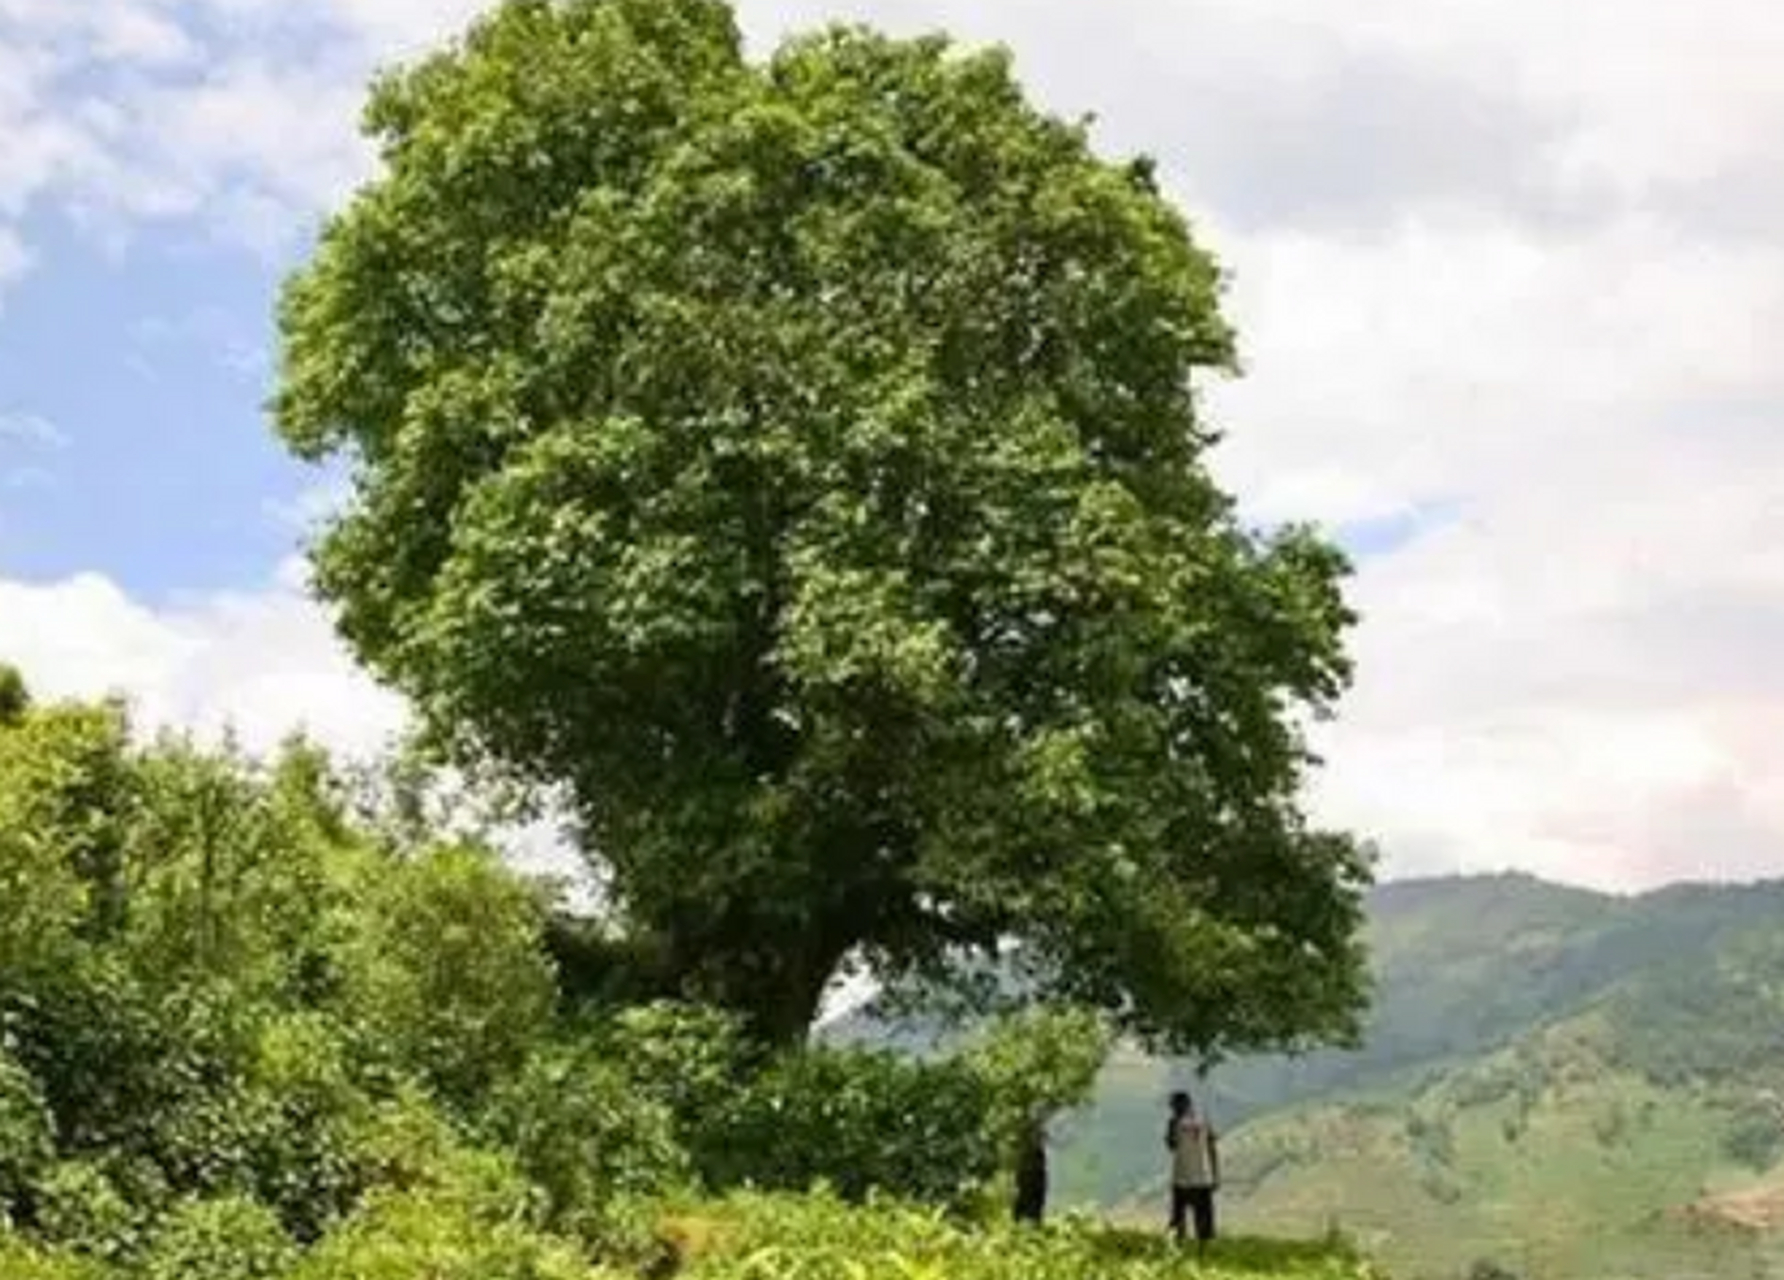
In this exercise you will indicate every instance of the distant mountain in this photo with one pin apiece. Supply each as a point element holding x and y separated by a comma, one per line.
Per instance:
<point>1560,1082</point>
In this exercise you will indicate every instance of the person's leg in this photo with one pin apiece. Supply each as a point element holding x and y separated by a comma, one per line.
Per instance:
<point>1179,1208</point>
<point>1204,1215</point>
<point>1031,1197</point>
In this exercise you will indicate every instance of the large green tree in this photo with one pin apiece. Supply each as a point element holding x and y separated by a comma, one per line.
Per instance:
<point>795,464</point>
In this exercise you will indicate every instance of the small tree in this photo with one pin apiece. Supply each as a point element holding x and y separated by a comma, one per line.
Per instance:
<point>797,465</point>
<point>15,697</point>
<point>1038,1063</point>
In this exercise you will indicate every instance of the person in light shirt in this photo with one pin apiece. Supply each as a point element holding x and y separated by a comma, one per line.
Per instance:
<point>1195,1169</point>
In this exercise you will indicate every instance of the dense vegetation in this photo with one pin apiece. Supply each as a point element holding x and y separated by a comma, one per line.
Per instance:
<point>793,471</point>
<point>254,1026</point>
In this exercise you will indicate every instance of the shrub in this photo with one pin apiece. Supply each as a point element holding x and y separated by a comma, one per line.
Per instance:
<point>581,1132</point>
<point>229,1238</point>
<point>81,1207</point>
<point>859,1121</point>
<point>1035,1063</point>
<point>934,1131</point>
<point>26,1133</point>
<point>308,1152</point>
<point>445,973</point>
<point>441,1236</point>
<point>20,1260</point>
<point>136,1076</point>
<point>89,1035</point>
<point>407,1145</point>
<point>1611,1124</point>
<point>1753,1138</point>
<point>44,899</point>
<point>690,1059</point>
<point>1488,1269</point>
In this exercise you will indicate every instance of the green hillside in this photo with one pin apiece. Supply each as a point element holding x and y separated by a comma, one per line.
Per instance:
<point>1556,1082</point>
<point>1560,1082</point>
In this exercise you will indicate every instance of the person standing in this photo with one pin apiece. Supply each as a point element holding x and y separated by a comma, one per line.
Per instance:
<point>1195,1170</point>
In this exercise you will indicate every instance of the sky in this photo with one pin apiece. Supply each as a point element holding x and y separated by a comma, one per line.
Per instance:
<point>1508,281</point>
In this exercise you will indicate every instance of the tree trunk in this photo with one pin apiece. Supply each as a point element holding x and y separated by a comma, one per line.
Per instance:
<point>774,986</point>
<point>781,1004</point>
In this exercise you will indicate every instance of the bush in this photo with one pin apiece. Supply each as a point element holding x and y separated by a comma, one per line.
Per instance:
<point>1487,1269</point>
<point>859,1121</point>
<point>690,1059</point>
<point>407,1145</point>
<point>20,1260</point>
<point>224,1239</point>
<point>44,899</point>
<point>106,1059</point>
<point>581,1132</point>
<point>445,974</point>
<point>441,1236</point>
<point>26,1134</point>
<point>855,1119</point>
<point>308,1151</point>
<point>81,1207</point>
<point>1753,1138</point>
<point>1036,1063</point>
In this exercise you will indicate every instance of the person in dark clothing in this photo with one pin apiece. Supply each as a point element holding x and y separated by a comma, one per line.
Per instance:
<point>1031,1174</point>
<point>1195,1170</point>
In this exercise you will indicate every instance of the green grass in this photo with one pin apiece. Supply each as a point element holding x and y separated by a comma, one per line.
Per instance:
<point>748,1237</point>
<point>818,1238</point>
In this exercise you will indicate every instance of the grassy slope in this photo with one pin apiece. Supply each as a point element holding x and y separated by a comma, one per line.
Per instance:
<point>1543,1158</point>
<point>1546,1102</point>
<point>1548,1073</point>
<point>1460,965</point>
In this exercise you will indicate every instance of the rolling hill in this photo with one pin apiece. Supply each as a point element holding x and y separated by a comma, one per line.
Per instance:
<point>1555,1083</point>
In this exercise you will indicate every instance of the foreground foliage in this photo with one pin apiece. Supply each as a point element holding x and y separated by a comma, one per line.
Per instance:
<point>247,1032</point>
<point>821,1238</point>
<point>753,1237</point>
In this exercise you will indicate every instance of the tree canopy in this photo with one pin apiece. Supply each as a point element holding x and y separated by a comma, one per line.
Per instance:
<point>796,463</point>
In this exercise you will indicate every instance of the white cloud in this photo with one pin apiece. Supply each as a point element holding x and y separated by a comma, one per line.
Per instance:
<point>286,130</point>
<point>1517,261</point>
<point>1573,674</point>
<point>258,663</point>
<point>106,31</point>
<point>121,112</point>
<point>392,29</point>
<point>265,662</point>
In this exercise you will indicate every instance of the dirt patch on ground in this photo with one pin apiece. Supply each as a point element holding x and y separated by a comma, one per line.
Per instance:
<point>1753,1210</point>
